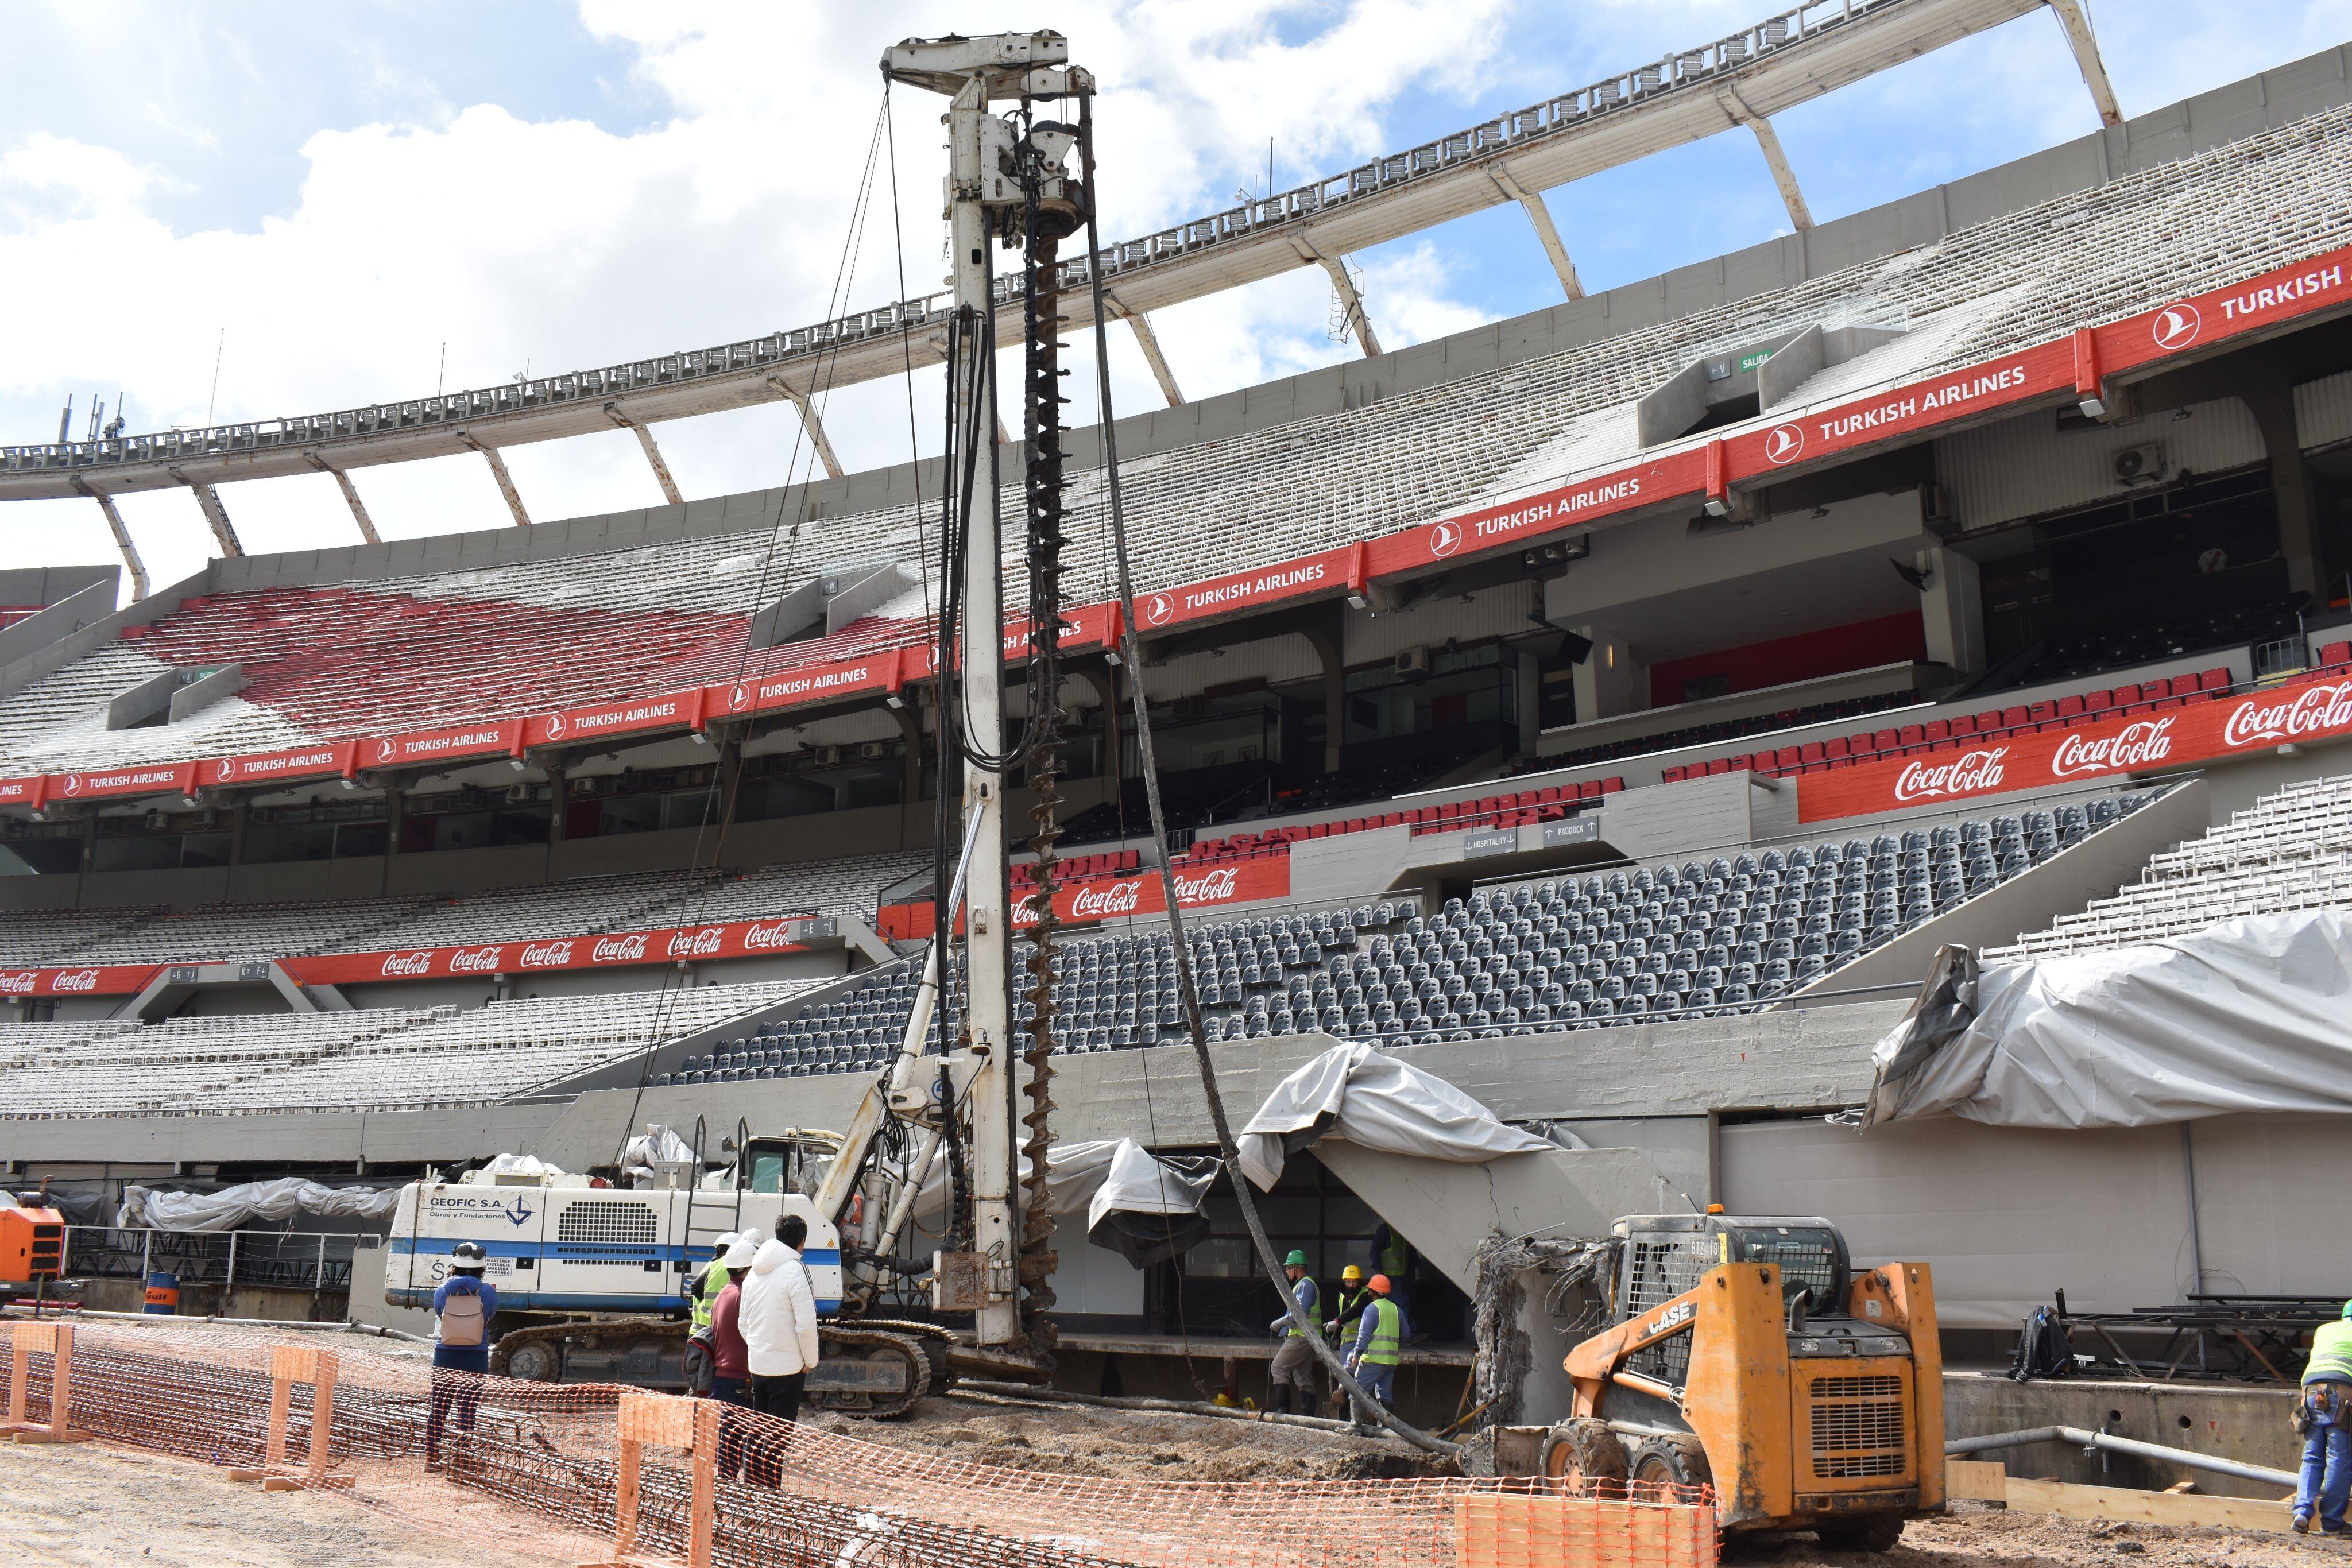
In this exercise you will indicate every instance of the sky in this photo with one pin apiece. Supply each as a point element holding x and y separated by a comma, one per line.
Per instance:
<point>241,211</point>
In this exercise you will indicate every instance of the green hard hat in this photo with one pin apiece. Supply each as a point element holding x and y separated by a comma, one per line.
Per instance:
<point>1297,1260</point>
<point>2347,1308</point>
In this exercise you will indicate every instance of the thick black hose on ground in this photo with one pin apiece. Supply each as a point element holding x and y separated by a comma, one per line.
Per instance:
<point>1022,1393</point>
<point>1148,766</point>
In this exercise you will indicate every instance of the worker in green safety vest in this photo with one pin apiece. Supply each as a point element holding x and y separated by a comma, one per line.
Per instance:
<point>2325,1418</point>
<point>709,1282</point>
<point>1293,1371</point>
<point>1379,1344</point>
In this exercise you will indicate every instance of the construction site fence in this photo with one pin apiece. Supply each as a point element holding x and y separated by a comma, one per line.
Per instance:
<point>541,1469</point>
<point>286,1261</point>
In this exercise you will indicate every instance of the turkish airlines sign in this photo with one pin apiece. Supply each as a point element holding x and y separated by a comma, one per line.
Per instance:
<point>817,683</point>
<point>678,710</point>
<point>463,741</point>
<point>2144,741</point>
<point>97,980</point>
<point>171,779</point>
<point>328,759</point>
<point>720,939</point>
<point>1320,573</point>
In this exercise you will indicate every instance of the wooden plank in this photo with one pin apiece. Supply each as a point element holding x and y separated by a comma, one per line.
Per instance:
<point>294,1363</point>
<point>1976,1480</point>
<point>2068,1501</point>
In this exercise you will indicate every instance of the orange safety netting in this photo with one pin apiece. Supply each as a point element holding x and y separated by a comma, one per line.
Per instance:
<point>536,1468</point>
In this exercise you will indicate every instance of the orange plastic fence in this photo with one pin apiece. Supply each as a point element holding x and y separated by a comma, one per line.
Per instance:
<point>584,1474</point>
<point>54,1341</point>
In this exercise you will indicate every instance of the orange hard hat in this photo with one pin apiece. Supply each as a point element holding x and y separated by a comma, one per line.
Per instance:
<point>1379,1283</point>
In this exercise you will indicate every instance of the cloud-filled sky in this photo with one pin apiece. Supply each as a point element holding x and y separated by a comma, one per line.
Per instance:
<point>243,211</point>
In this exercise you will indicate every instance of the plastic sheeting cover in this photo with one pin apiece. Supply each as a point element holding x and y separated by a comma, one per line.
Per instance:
<point>146,1208</point>
<point>1352,1091</point>
<point>2253,1014</point>
<point>1148,1207</point>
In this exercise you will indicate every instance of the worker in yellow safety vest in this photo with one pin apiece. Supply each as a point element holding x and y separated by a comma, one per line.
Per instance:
<point>709,1282</point>
<point>1379,1344</point>
<point>2325,1418</point>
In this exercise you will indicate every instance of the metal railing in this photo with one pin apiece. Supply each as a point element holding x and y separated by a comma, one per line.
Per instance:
<point>285,1260</point>
<point>1680,71</point>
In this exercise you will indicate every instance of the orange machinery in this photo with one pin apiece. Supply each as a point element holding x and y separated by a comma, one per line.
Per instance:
<point>32,1244</point>
<point>1748,1354</point>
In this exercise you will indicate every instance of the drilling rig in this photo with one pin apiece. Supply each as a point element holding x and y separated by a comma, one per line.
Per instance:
<point>963,1067</point>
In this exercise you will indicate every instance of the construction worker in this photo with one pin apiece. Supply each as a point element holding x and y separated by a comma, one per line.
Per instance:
<point>731,1357</point>
<point>1294,1360</point>
<point>710,1281</point>
<point>1394,1257</point>
<point>2325,1417</point>
<point>1379,1343</point>
<point>1353,1299</point>
<point>463,1306</point>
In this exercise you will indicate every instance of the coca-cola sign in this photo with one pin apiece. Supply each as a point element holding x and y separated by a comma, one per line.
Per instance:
<point>2273,719</point>
<point>2135,746</point>
<point>75,980</point>
<point>618,949</point>
<point>406,966</point>
<point>97,980</point>
<point>547,954</point>
<point>1969,773</point>
<point>475,960</point>
<point>19,982</point>
<point>699,943</point>
<point>763,938</point>
<point>1120,897</point>
<point>2150,737</point>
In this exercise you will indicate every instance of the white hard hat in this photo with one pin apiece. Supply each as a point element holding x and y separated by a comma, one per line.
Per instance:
<point>740,1255</point>
<point>724,1241</point>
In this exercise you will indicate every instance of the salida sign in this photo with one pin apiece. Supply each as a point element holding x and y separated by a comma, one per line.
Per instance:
<point>2141,741</point>
<point>722,939</point>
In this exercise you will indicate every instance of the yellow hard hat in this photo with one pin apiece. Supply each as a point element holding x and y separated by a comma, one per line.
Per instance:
<point>1351,1275</point>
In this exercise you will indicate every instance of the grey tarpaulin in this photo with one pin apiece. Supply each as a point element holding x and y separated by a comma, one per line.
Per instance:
<point>1149,1208</point>
<point>1099,1178</point>
<point>146,1208</point>
<point>2253,1014</point>
<point>1352,1091</point>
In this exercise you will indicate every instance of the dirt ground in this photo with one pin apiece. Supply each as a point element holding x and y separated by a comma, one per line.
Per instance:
<point>88,1506</point>
<point>82,1506</point>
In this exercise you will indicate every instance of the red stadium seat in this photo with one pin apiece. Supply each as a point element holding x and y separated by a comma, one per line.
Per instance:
<point>2336,654</point>
<point>1670,775</point>
<point>2098,702</point>
<point>1610,786</point>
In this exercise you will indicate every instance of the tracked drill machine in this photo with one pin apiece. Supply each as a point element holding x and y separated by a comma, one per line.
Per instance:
<point>1008,186</point>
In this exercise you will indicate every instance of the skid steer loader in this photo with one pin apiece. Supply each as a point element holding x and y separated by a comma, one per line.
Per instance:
<point>1749,1354</point>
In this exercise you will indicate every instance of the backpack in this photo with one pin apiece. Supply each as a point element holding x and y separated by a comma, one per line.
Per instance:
<point>461,1318</point>
<point>2043,1349</point>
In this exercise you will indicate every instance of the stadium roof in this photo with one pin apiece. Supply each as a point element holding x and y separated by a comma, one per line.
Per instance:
<point>2038,306</point>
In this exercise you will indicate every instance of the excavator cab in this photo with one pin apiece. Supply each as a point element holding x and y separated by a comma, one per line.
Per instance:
<point>1748,1354</point>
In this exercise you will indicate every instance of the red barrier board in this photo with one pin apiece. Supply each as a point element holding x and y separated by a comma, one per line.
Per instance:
<point>678,710</point>
<point>1543,513</point>
<point>816,682</point>
<point>724,939</point>
<point>462,741</point>
<point>165,779</point>
<point>22,791</point>
<point>2281,294</point>
<point>101,980</point>
<point>329,759</point>
<point>2146,739</point>
<point>1141,892</point>
<point>1083,626</point>
<point>1323,572</point>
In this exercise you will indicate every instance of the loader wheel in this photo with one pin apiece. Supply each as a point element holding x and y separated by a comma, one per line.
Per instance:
<point>1879,1533</point>
<point>1584,1458</point>
<point>1661,1462</point>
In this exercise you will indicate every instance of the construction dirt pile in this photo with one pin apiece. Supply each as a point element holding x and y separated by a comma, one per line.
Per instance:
<point>1981,1535</point>
<point>1140,1445</point>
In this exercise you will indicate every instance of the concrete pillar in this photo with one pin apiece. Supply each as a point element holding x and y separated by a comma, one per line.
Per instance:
<point>2077,25</point>
<point>1776,158</point>
<point>1330,647</point>
<point>559,788</point>
<point>1359,320</point>
<point>240,823</point>
<point>350,497</point>
<point>1149,341</point>
<point>208,500</point>
<point>1530,703</point>
<point>89,841</point>
<point>505,480</point>
<point>653,453</point>
<point>1547,235</point>
<point>810,423</point>
<point>122,539</point>
<point>395,809</point>
<point>1104,679</point>
<point>910,730</point>
<point>2269,396</point>
<point>730,781</point>
<point>1611,681</point>
<point>1951,611</point>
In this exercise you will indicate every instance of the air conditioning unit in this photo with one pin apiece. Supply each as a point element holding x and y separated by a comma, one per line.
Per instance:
<point>2140,464</point>
<point>872,751</point>
<point>829,755</point>
<point>1413,661</point>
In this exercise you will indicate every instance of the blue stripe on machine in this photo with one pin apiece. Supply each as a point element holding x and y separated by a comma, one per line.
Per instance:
<point>437,1246</point>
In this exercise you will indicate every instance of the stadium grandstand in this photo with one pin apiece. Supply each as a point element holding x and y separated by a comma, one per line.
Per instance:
<point>1613,710</point>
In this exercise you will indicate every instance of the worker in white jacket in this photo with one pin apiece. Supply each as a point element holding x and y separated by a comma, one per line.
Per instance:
<point>777,1319</point>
